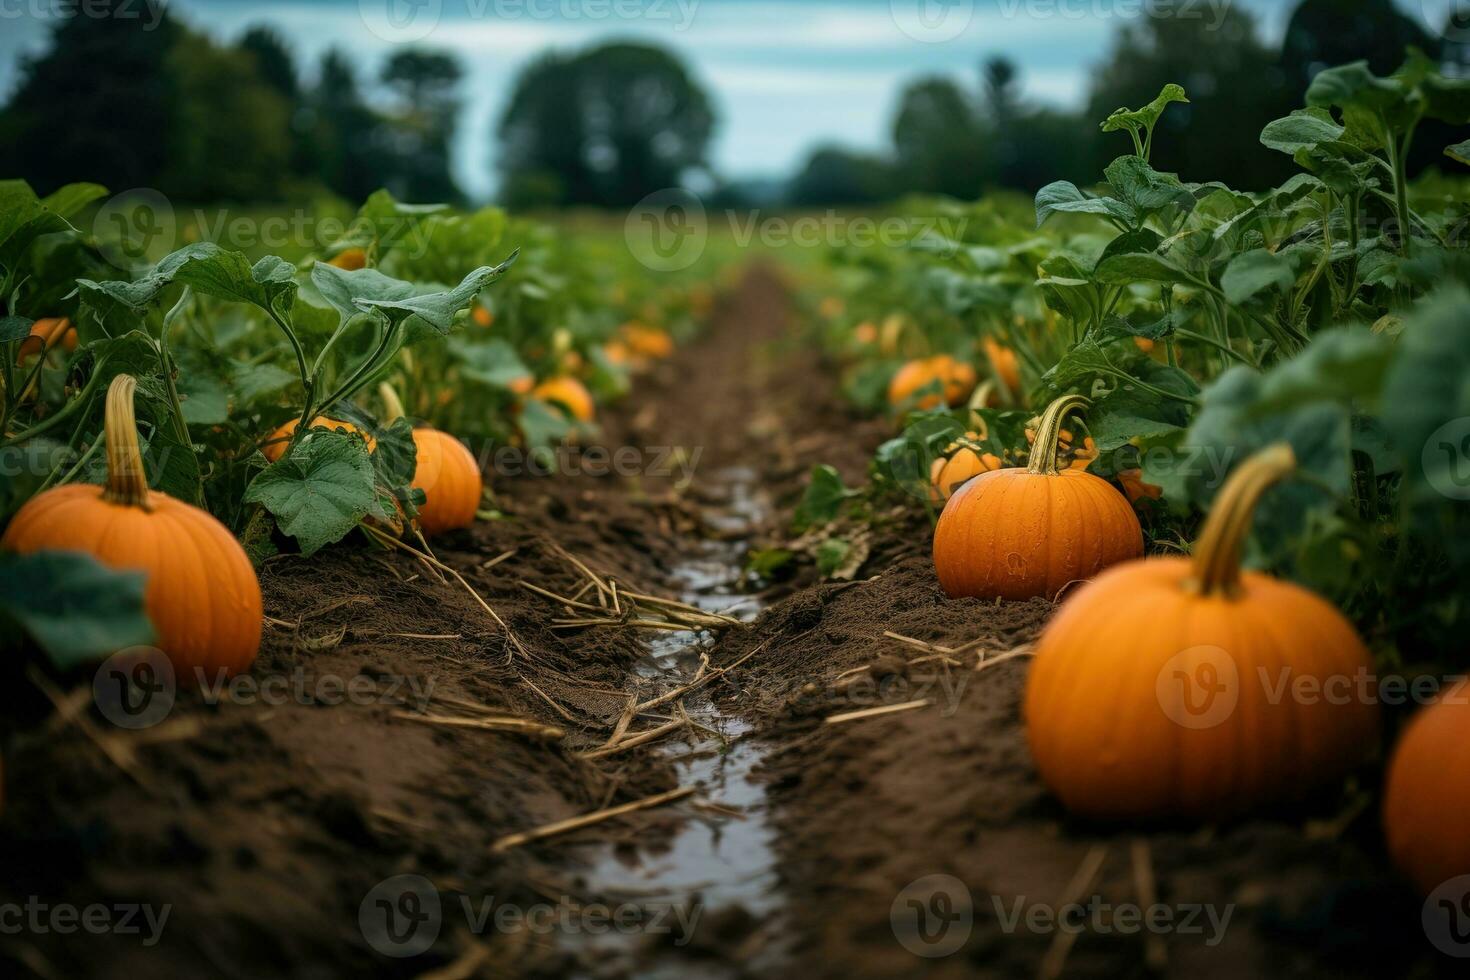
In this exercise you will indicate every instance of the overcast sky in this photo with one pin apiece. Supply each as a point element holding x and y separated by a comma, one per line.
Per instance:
<point>783,75</point>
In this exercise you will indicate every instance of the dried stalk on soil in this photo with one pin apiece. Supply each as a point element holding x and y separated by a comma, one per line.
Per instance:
<point>489,723</point>
<point>587,819</point>
<point>1055,960</point>
<point>1156,953</point>
<point>887,709</point>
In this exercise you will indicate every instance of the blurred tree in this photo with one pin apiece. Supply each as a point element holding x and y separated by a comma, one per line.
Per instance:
<point>605,127</point>
<point>834,175</point>
<point>1323,33</point>
<point>423,128</point>
<point>230,138</point>
<point>938,142</point>
<point>273,61</point>
<point>1000,83</point>
<point>97,100</point>
<point>346,134</point>
<point>1235,87</point>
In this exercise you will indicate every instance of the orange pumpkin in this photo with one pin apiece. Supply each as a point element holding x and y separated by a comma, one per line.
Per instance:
<point>1144,344</point>
<point>1017,533</point>
<point>865,333</point>
<point>1004,364</point>
<point>569,393</point>
<point>955,378</point>
<point>482,316</point>
<point>1157,692</point>
<point>1426,800</point>
<point>647,341</point>
<point>962,460</point>
<point>616,352</point>
<point>46,334</point>
<point>201,594</point>
<point>1136,489</point>
<point>444,470</point>
<point>831,307</point>
<point>350,259</point>
<point>275,447</point>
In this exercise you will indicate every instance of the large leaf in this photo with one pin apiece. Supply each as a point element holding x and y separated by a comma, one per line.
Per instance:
<point>211,270</point>
<point>1063,196</point>
<point>23,218</point>
<point>1251,273</point>
<point>1143,188</point>
<point>823,498</point>
<point>1302,129</point>
<point>439,309</point>
<point>1426,399</point>
<point>320,490</point>
<point>494,363</point>
<point>1146,117</point>
<point>73,607</point>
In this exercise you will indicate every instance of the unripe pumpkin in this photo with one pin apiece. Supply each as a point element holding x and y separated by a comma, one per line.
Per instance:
<point>1164,688</point>
<point>275,447</point>
<point>201,593</point>
<point>961,461</point>
<point>350,259</point>
<point>955,378</point>
<point>1018,533</point>
<point>1426,799</point>
<point>444,470</point>
<point>569,393</point>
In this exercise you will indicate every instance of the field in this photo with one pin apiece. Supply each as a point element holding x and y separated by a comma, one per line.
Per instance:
<point>1073,587</point>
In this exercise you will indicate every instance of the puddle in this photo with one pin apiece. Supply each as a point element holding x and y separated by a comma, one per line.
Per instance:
<point>724,864</point>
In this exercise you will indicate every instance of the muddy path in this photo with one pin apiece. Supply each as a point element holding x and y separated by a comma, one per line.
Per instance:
<point>351,808</point>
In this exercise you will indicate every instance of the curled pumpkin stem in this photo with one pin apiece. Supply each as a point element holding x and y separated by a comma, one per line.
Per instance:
<point>127,483</point>
<point>1217,554</point>
<point>1049,431</point>
<point>392,404</point>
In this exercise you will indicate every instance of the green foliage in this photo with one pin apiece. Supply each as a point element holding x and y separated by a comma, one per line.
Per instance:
<point>73,608</point>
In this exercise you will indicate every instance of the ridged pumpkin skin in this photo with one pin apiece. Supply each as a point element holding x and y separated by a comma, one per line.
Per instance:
<point>450,479</point>
<point>1014,534</point>
<point>956,378</point>
<point>1004,363</point>
<point>569,393</point>
<point>275,447</point>
<point>1132,662</point>
<point>1426,800</point>
<point>46,334</point>
<point>201,593</point>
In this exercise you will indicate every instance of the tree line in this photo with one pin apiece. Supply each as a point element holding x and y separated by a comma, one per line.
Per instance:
<point>167,108</point>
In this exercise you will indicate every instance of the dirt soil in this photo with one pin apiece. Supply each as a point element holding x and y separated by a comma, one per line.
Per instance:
<point>266,823</point>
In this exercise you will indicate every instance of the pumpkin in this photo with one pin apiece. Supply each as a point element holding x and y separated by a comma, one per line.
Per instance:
<point>445,471</point>
<point>1134,487</point>
<point>1017,533</point>
<point>275,447</point>
<point>1003,364</point>
<point>201,594</point>
<point>47,333</point>
<point>569,393</point>
<point>956,379</point>
<point>831,307</point>
<point>647,341</point>
<point>350,259</point>
<point>961,460</point>
<point>865,333</point>
<point>1426,800</point>
<point>1144,344</point>
<point>1156,689</point>
<point>482,316</point>
<point>616,353</point>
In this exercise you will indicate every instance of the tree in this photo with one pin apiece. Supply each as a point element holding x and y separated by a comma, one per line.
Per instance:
<point>605,127</point>
<point>273,61</point>
<point>834,175</point>
<point>423,128</point>
<point>938,142</point>
<point>345,131</point>
<point>1323,33</point>
<point>59,128</point>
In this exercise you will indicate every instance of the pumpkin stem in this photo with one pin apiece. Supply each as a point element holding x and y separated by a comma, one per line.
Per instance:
<point>127,483</point>
<point>1217,553</point>
<point>392,404</point>
<point>1049,431</point>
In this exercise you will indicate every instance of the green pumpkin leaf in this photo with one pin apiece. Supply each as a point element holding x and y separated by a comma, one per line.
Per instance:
<point>1146,117</point>
<point>320,490</point>
<point>1303,129</point>
<point>1251,273</point>
<point>493,363</point>
<point>822,500</point>
<point>76,609</point>
<point>214,271</point>
<point>1064,196</point>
